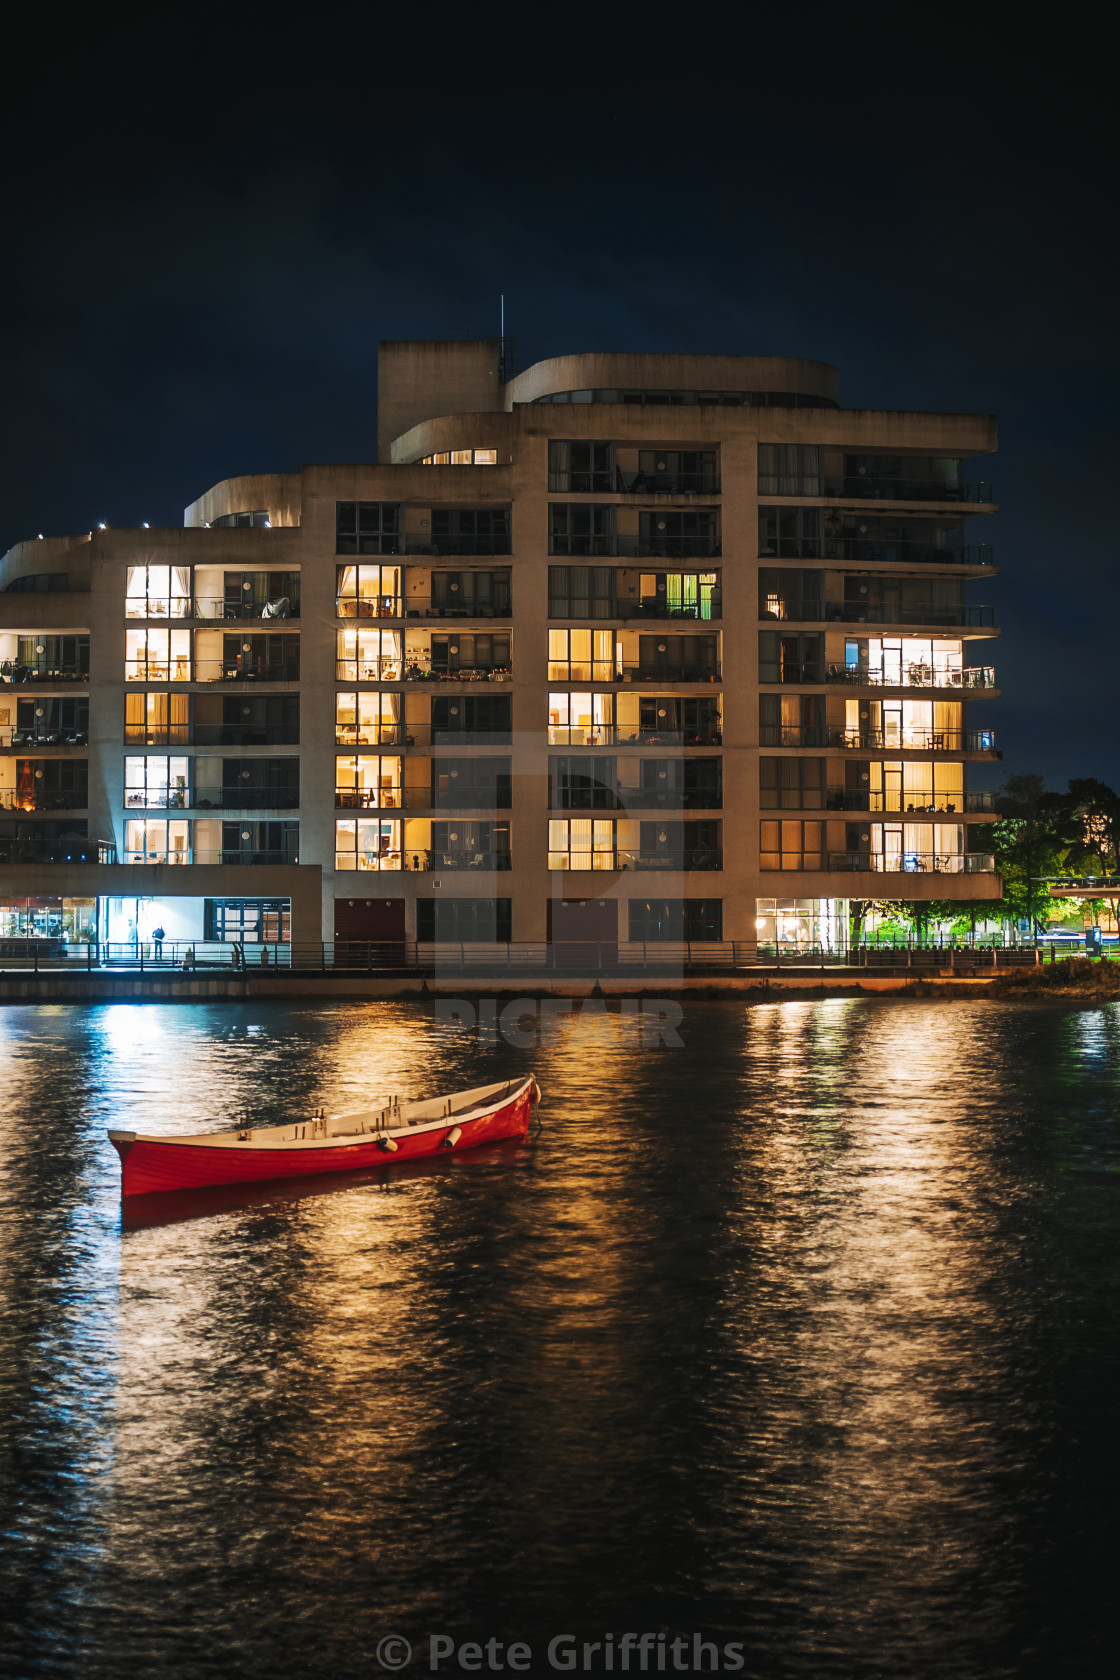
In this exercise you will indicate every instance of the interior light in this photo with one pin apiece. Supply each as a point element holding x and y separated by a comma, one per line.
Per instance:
<point>40,536</point>
<point>145,525</point>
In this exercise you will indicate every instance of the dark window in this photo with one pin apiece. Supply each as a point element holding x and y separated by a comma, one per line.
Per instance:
<point>581,528</point>
<point>672,719</point>
<point>581,592</point>
<point>791,784</point>
<point>582,784</point>
<point>871,599</point>
<point>50,656</point>
<point>796,658</point>
<point>676,783</point>
<point>52,722</point>
<point>258,595</point>
<point>684,657</point>
<point>680,535</point>
<point>920,478</point>
<point>789,469</point>
<point>368,528</point>
<point>471,530</point>
<point>792,845</point>
<point>833,534</point>
<point>46,783</point>
<point>39,583</point>
<point>457,844</point>
<point>791,720</point>
<point>479,784</point>
<point>676,919</point>
<point>673,472</point>
<point>790,593</point>
<point>253,841</point>
<point>465,920</point>
<point>237,720</point>
<point>270,783</point>
<point>469,651</point>
<point>471,594</point>
<point>272,658</point>
<point>471,714</point>
<point>586,468</point>
<point>682,845</point>
<point>226,521</point>
<point>701,399</point>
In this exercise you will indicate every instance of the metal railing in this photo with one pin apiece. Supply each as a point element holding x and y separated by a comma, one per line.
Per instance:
<point>914,863</point>
<point>865,549</point>
<point>908,740</point>
<point>653,547</point>
<point>73,799</point>
<point>17,675</point>
<point>864,487</point>
<point>861,799</point>
<point>607,734</point>
<point>419,606</point>
<point>211,607</point>
<point>239,670</point>
<point>914,676</point>
<point>456,862</point>
<point>212,799</point>
<point>640,799</point>
<point>387,670</point>
<point>795,610</point>
<point>28,738</point>
<point>69,848</point>
<point>195,854</point>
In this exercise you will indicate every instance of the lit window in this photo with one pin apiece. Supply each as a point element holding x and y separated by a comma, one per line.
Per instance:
<point>367,843</point>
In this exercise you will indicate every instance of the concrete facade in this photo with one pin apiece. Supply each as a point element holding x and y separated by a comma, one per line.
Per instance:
<point>719,630</point>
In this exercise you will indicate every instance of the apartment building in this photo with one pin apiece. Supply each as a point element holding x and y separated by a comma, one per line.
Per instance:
<point>619,649</point>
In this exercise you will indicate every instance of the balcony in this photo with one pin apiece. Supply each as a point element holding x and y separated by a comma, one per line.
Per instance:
<point>665,674</point>
<point>608,734</point>
<point>469,547</point>
<point>215,735</point>
<point>861,799</point>
<point>865,550</point>
<point>914,863</point>
<point>382,799</point>
<point>72,799</point>
<point>68,849</point>
<point>666,483</point>
<point>797,611</point>
<point>980,801</point>
<point>698,859</point>
<point>419,606</point>
<point>863,487</point>
<point>216,606</point>
<point>914,676</point>
<point>39,676</point>
<point>195,854</point>
<point>910,740</point>
<point>457,862</point>
<point>245,799</point>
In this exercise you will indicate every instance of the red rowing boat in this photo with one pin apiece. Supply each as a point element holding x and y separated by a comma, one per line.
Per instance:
<point>400,1131</point>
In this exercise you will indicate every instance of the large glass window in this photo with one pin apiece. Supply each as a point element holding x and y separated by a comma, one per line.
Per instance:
<point>792,845</point>
<point>459,844</point>
<point>47,784</point>
<point>367,843</point>
<point>679,535</point>
<point>472,783</point>
<point>367,720</point>
<point>680,595</point>
<point>582,784</point>
<point>50,722</point>
<point>368,528</point>
<point>471,714</point>
<point>581,592</point>
<point>581,528</point>
<point>791,658</point>
<point>368,591</point>
<point>584,843</point>
<point>272,658</point>
<point>587,468</point>
<point>156,782</point>
<point>157,840</point>
<point>157,655</point>
<point>583,656</point>
<point>156,720</point>
<point>789,469</point>
<point>791,784</point>
<point>464,920</point>
<point>471,530</point>
<point>367,782</point>
<point>676,919</point>
<point>249,921</point>
<point>791,720</point>
<point>833,534</point>
<point>470,594</point>
<point>241,720</point>
<point>580,720</point>
<point>158,592</point>
<point>791,593</point>
<point>56,658</point>
<point>670,658</point>
<point>369,655</point>
<point>469,651</point>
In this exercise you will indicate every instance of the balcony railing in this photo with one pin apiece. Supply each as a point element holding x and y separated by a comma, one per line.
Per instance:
<point>385,670</point>
<point>670,673</point>
<point>44,738</point>
<point>68,849</point>
<point>212,799</point>
<point>639,799</point>
<point>864,487</point>
<point>73,799</point>
<point>910,740</point>
<point>854,612</point>
<point>668,484</point>
<point>914,676</point>
<point>608,734</point>
<point>216,735</point>
<point>454,862</point>
<point>697,859</point>
<point>865,549</point>
<point>695,611</point>
<point>419,606</point>
<point>981,801</point>
<point>210,607</point>
<point>654,546</point>
<point>914,863</point>
<point>15,674</point>
<point>244,670</point>
<point>382,799</point>
<point>861,799</point>
<point>194,854</point>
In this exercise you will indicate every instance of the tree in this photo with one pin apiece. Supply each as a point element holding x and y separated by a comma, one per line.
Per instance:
<point>1030,841</point>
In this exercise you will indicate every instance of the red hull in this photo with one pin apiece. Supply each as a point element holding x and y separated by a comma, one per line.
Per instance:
<point>148,1165</point>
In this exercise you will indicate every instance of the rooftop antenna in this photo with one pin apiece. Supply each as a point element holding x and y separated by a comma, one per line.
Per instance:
<point>506,358</point>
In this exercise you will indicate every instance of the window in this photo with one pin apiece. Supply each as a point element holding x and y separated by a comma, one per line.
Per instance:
<point>39,583</point>
<point>157,840</point>
<point>45,784</point>
<point>576,528</point>
<point>158,592</point>
<point>368,591</point>
<point>253,594</point>
<point>791,720</point>
<point>678,658</point>
<point>367,720</point>
<point>471,530</point>
<point>241,720</point>
<point>875,599</point>
<point>580,720</point>
<point>462,458</point>
<point>676,919</point>
<point>924,478</point>
<point>226,521</point>
<point>155,720</point>
<point>157,656</point>
<point>368,528</point>
<point>252,841</point>
<point>790,658</point>
<point>60,658</point>
<point>52,723</point>
<point>790,593</point>
<point>468,651</point>
<point>670,719</point>
<point>581,592</point>
<point>583,843</point>
<point>471,714</point>
<point>157,783</point>
<point>701,399</point>
<point>582,784</point>
<point>586,468</point>
<point>789,469</point>
<point>245,783</point>
<point>367,782</point>
<point>792,845</point>
<point>464,920</point>
<point>791,784</point>
<point>583,656</point>
<point>672,472</point>
<point>680,595</point>
<point>271,658</point>
<point>367,843</point>
<point>471,594</point>
<point>368,655</point>
<point>681,845</point>
<point>679,535</point>
<point>833,534</point>
<point>471,783</point>
<point>671,783</point>
<point>470,845</point>
<point>249,921</point>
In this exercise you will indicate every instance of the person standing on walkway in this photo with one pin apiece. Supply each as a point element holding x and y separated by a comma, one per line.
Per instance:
<point>157,941</point>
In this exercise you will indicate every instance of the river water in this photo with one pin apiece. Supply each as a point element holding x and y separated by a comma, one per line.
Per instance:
<point>801,1338</point>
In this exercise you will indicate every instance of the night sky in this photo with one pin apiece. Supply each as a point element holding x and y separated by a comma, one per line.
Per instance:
<point>212,219</point>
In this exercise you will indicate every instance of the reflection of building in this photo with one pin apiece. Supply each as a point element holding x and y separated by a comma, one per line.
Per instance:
<point>598,653</point>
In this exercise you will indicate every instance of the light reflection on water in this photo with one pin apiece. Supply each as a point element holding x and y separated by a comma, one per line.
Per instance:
<point>804,1336</point>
